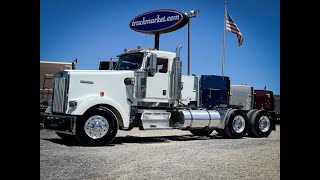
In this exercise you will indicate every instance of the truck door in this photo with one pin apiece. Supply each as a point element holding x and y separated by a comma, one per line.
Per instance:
<point>158,85</point>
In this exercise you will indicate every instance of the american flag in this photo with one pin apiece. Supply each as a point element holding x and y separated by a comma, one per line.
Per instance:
<point>232,27</point>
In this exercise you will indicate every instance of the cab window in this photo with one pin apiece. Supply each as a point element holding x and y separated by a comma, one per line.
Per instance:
<point>162,65</point>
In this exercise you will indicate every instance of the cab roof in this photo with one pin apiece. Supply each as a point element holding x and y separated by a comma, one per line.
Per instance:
<point>149,50</point>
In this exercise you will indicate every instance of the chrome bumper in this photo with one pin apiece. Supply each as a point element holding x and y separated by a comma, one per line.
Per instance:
<point>60,123</point>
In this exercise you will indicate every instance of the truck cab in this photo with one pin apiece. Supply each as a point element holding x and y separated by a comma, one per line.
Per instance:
<point>152,72</point>
<point>142,79</point>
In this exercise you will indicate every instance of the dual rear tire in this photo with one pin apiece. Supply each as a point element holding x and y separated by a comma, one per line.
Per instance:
<point>256,123</point>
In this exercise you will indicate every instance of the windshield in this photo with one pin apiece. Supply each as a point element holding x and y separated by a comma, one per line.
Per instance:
<point>130,61</point>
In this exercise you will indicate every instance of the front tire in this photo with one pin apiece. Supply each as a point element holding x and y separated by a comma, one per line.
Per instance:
<point>260,124</point>
<point>97,128</point>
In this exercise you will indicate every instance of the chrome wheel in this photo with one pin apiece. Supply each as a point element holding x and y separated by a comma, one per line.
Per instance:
<point>260,124</point>
<point>264,123</point>
<point>96,127</point>
<point>238,124</point>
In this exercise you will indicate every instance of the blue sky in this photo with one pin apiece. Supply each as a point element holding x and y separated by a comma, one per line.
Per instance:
<point>93,31</point>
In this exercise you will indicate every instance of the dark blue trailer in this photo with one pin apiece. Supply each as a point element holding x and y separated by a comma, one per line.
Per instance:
<point>214,91</point>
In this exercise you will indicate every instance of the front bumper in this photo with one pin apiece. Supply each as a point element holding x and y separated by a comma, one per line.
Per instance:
<point>60,123</point>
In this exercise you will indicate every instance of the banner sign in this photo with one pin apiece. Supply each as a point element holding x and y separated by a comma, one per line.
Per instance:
<point>159,21</point>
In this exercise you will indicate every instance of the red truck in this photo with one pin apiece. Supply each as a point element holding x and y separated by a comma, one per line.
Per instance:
<point>265,99</point>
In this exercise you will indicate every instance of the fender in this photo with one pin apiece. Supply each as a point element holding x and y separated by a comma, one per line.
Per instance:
<point>84,103</point>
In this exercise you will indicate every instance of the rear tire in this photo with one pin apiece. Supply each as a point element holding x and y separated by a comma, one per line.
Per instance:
<point>249,115</point>
<point>96,128</point>
<point>260,124</point>
<point>236,124</point>
<point>200,132</point>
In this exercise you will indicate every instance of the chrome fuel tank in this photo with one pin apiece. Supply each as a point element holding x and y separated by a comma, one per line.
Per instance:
<point>200,118</point>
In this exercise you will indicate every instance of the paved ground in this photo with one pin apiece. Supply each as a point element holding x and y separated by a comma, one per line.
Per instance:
<point>162,154</point>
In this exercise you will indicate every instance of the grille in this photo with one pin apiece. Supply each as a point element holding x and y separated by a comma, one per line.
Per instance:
<point>60,92</point>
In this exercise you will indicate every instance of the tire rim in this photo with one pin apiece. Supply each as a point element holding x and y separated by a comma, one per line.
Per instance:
<point>96,127</point>
<point>238,124</point>
<point>264,123</point>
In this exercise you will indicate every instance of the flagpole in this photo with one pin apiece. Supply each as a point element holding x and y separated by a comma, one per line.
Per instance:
<point>224,35</point>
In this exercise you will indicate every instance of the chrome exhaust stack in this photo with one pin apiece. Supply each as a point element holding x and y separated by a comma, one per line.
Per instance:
<point>178,50</point>
<point>176,84</point>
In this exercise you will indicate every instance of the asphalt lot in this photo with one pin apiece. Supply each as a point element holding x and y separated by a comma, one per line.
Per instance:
<point>162,154</point>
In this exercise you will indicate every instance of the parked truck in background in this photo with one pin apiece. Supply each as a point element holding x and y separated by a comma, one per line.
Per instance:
<point>47,70</point>
<point>107,65</point>
<point>264,99</point>
<point>146,90</point>
<point>277,106</point>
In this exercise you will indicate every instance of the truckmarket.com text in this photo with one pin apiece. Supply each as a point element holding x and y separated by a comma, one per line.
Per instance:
<point>155,20</point>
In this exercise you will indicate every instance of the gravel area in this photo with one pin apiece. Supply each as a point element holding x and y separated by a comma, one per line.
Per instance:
<point>162,154</point>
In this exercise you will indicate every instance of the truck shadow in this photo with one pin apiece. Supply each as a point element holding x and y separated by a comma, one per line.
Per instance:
<point>161,139</point>
<point>141,140</point>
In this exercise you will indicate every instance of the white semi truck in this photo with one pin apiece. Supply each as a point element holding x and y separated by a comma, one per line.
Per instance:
<point>145,90</point>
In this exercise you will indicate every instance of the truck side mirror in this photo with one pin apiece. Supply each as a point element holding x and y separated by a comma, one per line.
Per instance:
<point>152,68</point>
